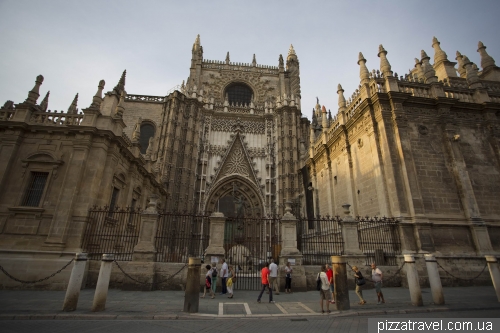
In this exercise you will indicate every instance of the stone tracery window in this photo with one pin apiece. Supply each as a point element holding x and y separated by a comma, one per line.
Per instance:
<point>239,93</point>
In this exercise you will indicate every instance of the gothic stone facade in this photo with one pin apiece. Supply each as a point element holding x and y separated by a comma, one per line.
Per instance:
<point>423,147</point>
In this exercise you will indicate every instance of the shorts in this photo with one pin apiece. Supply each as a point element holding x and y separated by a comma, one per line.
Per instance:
<point>323,294</point>
<point>378,287</point>
<point>332,288</point>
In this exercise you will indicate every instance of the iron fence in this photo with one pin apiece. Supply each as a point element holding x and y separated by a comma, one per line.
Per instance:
<point>113,231</point>
<point>249,243</point>
<point>320,238</point>
<point>180,236</point>
<point>379,240</point>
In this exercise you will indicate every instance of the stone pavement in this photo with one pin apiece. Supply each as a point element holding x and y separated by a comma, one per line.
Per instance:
<point>166,305</point>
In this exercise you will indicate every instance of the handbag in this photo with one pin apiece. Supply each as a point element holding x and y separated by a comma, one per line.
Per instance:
<point>318,283</point>
<point>360,281</point>
<point>229,282</point>
<point>208,282</point>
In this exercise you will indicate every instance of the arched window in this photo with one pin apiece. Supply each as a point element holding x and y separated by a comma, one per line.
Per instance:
<point>147,131</point>
<point>239,93</point>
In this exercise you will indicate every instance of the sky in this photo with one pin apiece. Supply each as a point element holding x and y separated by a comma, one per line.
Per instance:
<point>74,44</point>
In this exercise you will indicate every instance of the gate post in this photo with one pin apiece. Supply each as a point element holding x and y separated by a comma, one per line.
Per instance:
<point>215,249</point>
<point>192,293</point>
<point>289,249</point>
<point>145,249</point>
<point>340,280</point>
<point>350,232</point>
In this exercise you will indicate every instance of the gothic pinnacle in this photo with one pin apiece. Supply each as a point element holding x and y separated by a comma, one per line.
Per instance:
<point>291,51</point>
<point>254,61</point>
<point>460,65</point>
<point>227,58</point>
<point>45,102</point>
<point>439,54</point>
<point>72,108</point>
<point>97,99</point>
<point>281,63</point>
<point>385,66</point>
<point>34,93</point>
<point>121,83</point>
<point>486,60</point>
<point>342,103</point>
<point>423,55</point>
<point>119,107</point>
<point>364,74</point>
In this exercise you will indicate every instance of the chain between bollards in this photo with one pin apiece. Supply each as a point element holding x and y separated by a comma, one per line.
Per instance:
<point>455,277</point>
<point>36,281</point>
<point>148,283</point>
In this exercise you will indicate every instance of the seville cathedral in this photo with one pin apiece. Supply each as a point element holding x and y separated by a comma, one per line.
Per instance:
<point>421,148</point>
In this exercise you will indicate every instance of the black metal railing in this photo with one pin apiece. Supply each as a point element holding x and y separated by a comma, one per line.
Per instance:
<point>181,235</point>
<point>320,238</point>
<point>379,240</point>
<point>114,231</point>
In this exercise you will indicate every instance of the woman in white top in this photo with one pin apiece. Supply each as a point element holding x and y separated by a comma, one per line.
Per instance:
<point>325,286</point>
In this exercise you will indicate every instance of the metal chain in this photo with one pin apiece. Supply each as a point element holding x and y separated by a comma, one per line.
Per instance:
<point>486,264</point>
<point>151,283</point>
<point>36,281</point>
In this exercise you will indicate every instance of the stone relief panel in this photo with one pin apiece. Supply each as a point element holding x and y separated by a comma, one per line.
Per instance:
<point>227,125</point>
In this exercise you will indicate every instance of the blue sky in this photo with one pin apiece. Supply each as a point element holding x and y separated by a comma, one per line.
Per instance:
<point>74,44</point>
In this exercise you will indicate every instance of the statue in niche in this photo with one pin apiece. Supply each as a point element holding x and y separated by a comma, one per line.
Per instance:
<point>149,150</point>
<point>136,134</point>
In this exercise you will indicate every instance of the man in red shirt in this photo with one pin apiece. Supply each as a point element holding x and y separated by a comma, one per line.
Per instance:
<point>329,274</point>
<point>264,275</point>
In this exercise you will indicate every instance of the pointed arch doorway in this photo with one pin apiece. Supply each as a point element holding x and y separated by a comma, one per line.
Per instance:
<point>250,239</point>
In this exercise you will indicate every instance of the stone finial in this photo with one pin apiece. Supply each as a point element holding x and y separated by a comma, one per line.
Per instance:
<point>227,58</point>
<point>281,62</point>
<point>428,70</point>
<point>254,61</point>
<point>364,73</point>
<point>119,108</point>
<point>45,102</point>
<point>439,54</point>
<point>97,99</point>
<point>385,66</point>
<point>291,51</point>
<point>323,109</point>
<point>121,83</point>
<point>34,93</point>
<point>342,103</point>
<point>486,60</point>
<point>9,105</point>
<point>197,43</point>
<point>72,108</point>
<point>471,74</point>
<point>423,55</point>
<point>460,61</point>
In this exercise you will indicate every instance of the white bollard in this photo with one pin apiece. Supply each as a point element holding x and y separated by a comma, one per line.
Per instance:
<point>75,282</point>
<point>101,289</point>
<point>413,283</point>
<point>434,279</point>
<point>494,273</point>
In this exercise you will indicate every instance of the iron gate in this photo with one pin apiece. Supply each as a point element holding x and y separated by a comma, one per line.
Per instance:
<point>249,243</point>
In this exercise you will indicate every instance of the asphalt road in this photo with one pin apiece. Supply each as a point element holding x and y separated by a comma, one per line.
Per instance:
<point>240,325</point>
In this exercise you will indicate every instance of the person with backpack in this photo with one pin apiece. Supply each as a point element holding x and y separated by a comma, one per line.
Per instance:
<point>359,280</point>
<point>214,277</point>
<point>323,286</point>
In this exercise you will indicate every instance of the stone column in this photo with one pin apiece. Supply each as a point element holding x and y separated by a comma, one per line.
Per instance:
<point>145,249</point>
<point>101,289</point>
<point>216,242</point>
<point>413,282</point>
<point>495,273</point>
<point>192,294</point>
<point>434,279</point>
<point>350,233</point>
<point>341,289</point>
<point>75,282</point>
<point>289,249</point>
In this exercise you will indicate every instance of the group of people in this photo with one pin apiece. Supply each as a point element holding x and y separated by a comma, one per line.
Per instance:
<point>269,279</point>
<point>228,278</point>
<point>376,279</point>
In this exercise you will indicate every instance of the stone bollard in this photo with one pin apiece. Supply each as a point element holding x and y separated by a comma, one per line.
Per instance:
<point>341,290</point>
<point>101,289</point>
<point>75,282</point>
<point>192,294</point>
<point>494,273</point>
<point>434,279</point>
<point>413,283</point>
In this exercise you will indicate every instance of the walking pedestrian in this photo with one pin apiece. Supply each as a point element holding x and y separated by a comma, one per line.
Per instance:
<point>214,274</point>
<point>329,274</point>
<point>208,282</point>
<point>273,277</point>
<point>359,281</point>
<point>323,292</point>
<point>377,279</point>
<point>264,275</point>
<point>288,278</point>
<point>224,274</point>
<point>230,281</point>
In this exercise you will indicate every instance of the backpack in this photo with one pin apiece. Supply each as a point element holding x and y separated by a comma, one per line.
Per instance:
<point>214,272</point>
<point>318,283</point>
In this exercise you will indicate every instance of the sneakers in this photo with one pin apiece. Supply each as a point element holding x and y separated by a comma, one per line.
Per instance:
<point>258,301</point>
<point>272,302</point>
<point>378,303</point>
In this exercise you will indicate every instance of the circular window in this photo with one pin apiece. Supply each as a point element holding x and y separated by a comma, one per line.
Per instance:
<point>239,93</point>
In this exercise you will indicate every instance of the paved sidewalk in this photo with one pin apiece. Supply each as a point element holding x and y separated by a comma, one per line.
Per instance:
<point>166,305</point>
